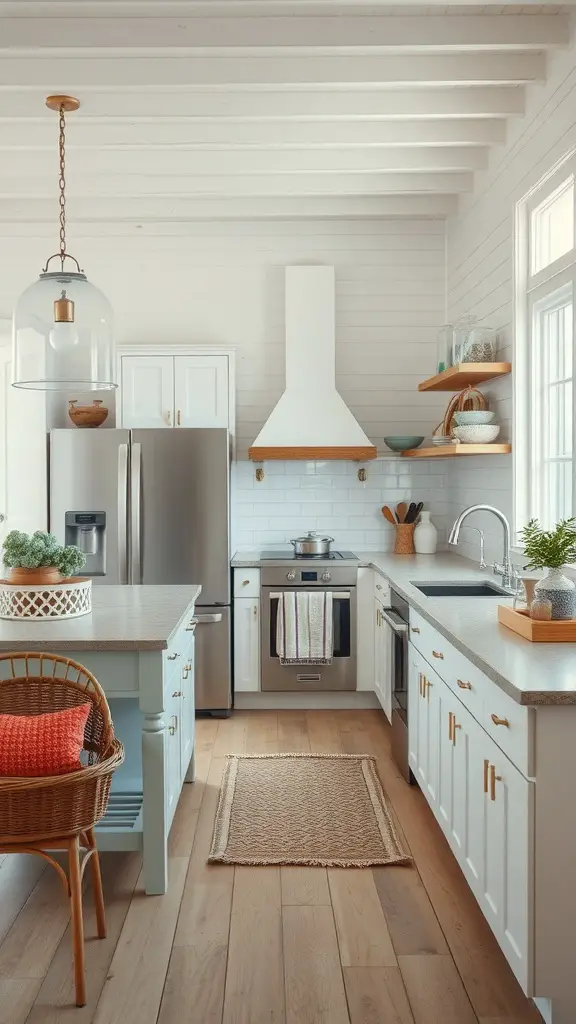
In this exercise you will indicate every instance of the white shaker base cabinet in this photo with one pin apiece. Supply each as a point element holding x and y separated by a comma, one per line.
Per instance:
<point>246,644</point>
<point>482,803</point>
<point>383,640</point>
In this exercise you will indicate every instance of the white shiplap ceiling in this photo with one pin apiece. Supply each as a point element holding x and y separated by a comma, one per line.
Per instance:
<point>259,108</point>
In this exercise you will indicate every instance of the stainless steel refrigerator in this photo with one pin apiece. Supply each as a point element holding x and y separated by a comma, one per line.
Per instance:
<point>152,507</point>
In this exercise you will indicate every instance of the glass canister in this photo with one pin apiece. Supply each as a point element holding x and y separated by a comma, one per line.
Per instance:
<point>444,347</point>
<point>460,334</point>
<point>480,345</point>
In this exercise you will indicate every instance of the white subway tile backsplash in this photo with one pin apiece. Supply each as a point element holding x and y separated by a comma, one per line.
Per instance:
<point>327,497</point>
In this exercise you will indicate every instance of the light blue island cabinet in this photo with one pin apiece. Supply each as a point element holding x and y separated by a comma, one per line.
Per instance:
<point>139,643</point>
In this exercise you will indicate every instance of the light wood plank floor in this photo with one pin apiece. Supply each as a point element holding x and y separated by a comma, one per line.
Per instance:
<point>392,945</point>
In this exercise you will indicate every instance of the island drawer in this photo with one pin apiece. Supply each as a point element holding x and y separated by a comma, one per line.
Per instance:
<point>247,582</point>
<point>510,725</point>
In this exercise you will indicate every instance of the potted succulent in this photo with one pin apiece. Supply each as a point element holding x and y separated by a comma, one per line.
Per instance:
<point>39,559</point>
<point>552,550</point>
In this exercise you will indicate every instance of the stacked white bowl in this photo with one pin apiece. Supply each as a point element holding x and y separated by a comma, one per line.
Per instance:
<point>475,427</point>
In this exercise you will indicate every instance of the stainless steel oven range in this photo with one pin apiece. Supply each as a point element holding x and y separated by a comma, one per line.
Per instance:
<point>336,572</point>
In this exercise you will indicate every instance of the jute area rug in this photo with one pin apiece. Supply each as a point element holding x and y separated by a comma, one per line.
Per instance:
<point>314,809</point>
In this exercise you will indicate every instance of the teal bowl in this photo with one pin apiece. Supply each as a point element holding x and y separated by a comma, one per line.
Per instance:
<point>402,444</point>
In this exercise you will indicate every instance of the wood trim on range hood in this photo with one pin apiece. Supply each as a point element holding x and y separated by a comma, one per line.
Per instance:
<point>311,421</point>
<point>357,454</point>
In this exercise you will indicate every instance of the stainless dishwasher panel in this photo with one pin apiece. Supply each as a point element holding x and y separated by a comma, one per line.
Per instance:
<point>213,668</point>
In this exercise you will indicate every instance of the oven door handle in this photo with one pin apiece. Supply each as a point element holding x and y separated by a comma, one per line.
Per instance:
<point>392,619</point>
<point>338,595</point>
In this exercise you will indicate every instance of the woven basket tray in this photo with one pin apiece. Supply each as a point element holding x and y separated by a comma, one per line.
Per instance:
<point>58,601</point>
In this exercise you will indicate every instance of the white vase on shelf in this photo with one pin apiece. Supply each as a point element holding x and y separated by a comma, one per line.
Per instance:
<point>425,536</point>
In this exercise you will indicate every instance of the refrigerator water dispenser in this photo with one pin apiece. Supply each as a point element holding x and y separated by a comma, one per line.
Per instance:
<point>87,530</point>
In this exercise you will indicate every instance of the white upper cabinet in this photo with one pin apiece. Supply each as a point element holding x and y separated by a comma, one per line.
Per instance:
<point>201,391</point>
<point>147,391</point>
<point>193,389</point>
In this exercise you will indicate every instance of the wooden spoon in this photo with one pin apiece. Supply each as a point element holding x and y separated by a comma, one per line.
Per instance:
<point>388,514</point>
<point>401,510</point>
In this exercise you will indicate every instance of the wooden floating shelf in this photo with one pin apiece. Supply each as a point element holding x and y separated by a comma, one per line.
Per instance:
<point>444,451</point>
<point>464,375</point>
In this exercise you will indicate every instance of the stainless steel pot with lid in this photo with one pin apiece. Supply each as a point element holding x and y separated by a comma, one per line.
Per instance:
<point>311,544</point>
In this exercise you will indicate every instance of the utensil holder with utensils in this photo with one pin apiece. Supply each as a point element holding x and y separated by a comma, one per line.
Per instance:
<point>404,540</point>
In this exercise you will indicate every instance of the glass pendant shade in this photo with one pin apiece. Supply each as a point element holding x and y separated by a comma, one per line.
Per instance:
<point>53,354</point>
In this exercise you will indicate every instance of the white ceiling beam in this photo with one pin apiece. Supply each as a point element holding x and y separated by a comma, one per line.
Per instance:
<point>338,104</point>
<point>382,32</point>
<point>175,163</point>
<point>180,133</point>
<point>104,216</point>
<point>199,8</point>
<point>241,185</point>
<point>64,73</point>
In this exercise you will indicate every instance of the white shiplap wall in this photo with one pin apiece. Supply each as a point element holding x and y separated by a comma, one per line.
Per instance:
<point>222,283</point>
<point>480,270</point>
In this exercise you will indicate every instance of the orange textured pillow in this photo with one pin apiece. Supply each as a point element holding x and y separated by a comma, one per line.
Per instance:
<point>35,745</point>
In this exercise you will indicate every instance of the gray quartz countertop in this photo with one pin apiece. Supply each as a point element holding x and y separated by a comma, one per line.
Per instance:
<point>533,674</point>
<point>123,618</point>
<point>529,673</point>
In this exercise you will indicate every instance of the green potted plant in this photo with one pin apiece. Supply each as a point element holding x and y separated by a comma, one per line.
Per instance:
<point>552,550</point>
<point>39,559</point>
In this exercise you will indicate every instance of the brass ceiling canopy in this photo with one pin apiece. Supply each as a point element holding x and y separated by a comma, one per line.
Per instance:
<point>65,103</point>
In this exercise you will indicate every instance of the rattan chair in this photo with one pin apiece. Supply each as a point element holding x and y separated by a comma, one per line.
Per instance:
<point>41,815</point>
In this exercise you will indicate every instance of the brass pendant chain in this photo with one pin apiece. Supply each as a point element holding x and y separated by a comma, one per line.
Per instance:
<point>62,186</point>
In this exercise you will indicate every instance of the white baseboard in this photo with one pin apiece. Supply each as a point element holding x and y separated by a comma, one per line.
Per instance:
<point>294,701</point>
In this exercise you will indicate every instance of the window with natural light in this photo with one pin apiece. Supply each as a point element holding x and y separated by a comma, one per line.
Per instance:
<point>545,362</point>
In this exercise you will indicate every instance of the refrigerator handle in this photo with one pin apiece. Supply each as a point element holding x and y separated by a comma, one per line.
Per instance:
<point>123,513</point>
<point>136,507</point>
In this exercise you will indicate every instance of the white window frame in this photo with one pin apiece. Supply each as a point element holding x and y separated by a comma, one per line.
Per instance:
<point>531,290</point>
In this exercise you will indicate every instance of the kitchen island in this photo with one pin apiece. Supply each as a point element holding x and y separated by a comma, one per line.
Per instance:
<point>139,643</point>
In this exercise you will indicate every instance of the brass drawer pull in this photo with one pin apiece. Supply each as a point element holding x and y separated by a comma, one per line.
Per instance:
<point>486,767</point>
<point>463,685</point>
<point>415,629</point>
<point>500,721</point>
<point>172,657</point>
<point>438,654</point>
<point>493,780</point>
<point>245,583</point>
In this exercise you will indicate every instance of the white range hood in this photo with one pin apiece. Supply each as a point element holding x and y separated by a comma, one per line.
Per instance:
<point>311,420</point>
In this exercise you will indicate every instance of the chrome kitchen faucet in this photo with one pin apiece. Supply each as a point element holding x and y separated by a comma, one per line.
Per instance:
<point>505,569</point>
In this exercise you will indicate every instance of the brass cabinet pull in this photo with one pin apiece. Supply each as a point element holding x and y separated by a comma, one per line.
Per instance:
<point>415,629</point>
<point>454,727</point>
<point>450,721</point>
<point>421,684</point>
<point>463,685</point>
<point>172,657</point>
<point>486,767</point>
<point>185,671</point>
<point>493,780</point>
<point>172,728</point>
<point>437,654</point>
<point>177,693</point>
<point>500,721</point>
<point>178,417</point>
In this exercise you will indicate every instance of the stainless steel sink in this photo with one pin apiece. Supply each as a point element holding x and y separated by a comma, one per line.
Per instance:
<point>482,588</point>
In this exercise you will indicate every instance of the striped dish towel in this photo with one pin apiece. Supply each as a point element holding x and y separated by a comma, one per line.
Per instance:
<point>304,634</point>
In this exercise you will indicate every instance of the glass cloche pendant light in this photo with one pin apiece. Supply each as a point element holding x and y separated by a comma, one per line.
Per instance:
<point>62,327</point>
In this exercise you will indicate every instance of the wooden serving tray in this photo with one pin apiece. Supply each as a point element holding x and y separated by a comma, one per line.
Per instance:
<point>557,631</point>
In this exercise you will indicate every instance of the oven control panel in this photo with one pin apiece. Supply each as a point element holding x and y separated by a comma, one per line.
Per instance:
<point>309,576</point>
